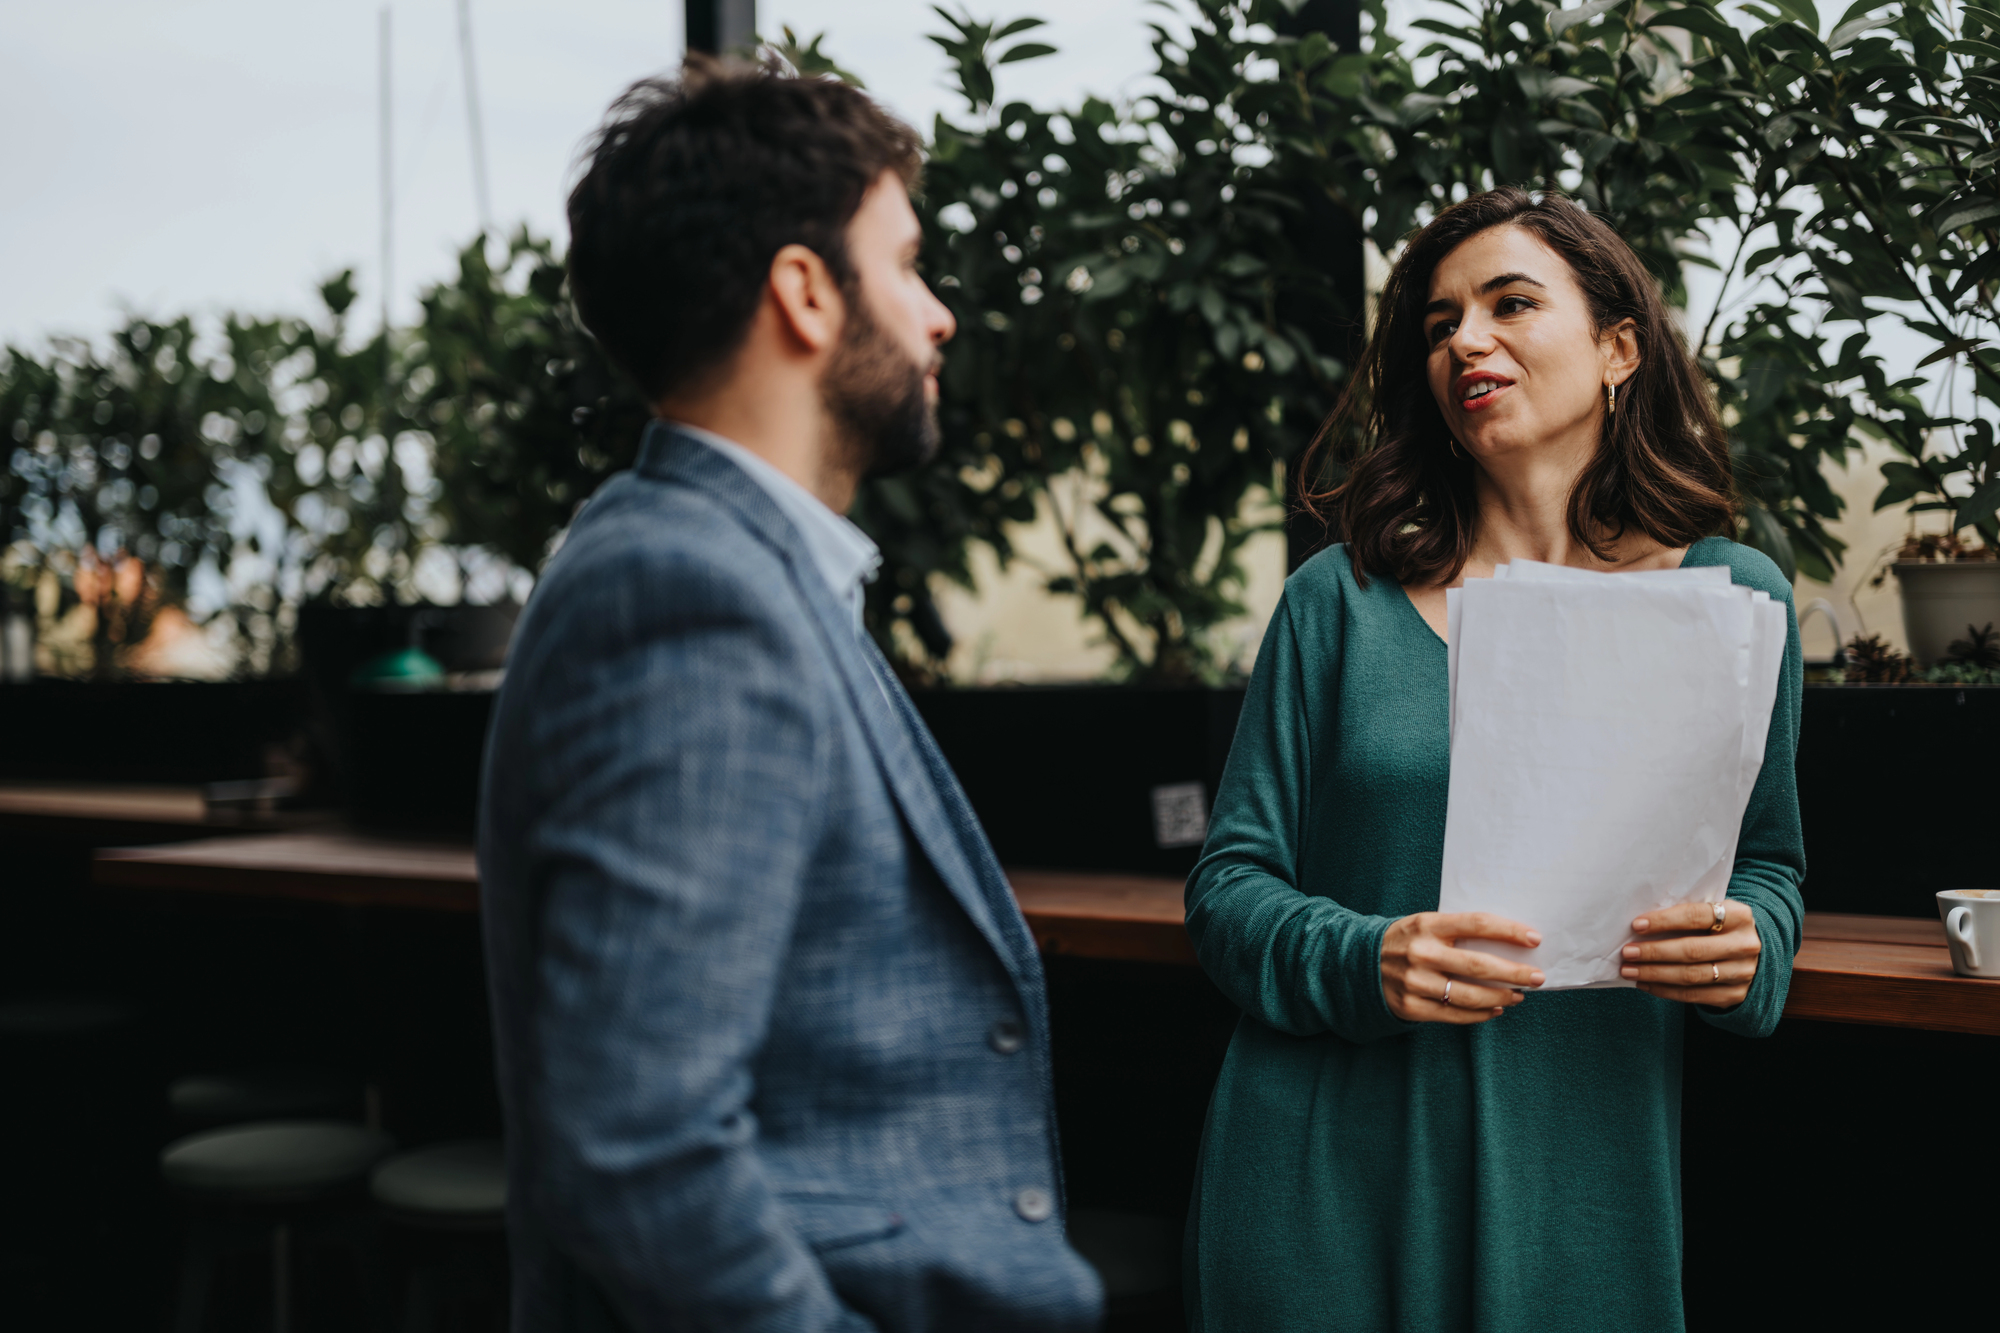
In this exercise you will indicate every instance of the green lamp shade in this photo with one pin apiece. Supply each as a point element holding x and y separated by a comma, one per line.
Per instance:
<point>403,669</point>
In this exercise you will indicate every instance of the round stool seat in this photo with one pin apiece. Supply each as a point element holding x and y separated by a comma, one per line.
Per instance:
<point>56,1016</point>
<point>456,1181</point>
<point>274,1158</point>
<point>203,1100</point>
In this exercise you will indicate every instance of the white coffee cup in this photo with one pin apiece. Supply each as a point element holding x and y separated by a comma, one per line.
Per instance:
<point>1972,930</point>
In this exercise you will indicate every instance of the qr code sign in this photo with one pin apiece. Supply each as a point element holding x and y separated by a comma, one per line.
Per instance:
<point>1180,814</point>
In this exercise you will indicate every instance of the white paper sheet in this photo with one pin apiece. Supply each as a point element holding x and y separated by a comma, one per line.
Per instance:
<point>1606,731</point>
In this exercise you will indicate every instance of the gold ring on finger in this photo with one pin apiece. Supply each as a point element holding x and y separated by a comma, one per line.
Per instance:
<point>1721,918</point>
<point>1717,970</point>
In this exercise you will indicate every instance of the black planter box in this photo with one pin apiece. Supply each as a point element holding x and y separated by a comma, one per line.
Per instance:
<point>1063,777</point>
<point>1897,795</point>
<point>403,761</point>
<point>1080,777</point>
<point>413,760</point>
<point>1894,785</point>
<point>166,732</point>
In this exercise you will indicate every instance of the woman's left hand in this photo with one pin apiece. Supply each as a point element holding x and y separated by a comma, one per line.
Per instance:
<point>1714,968</point>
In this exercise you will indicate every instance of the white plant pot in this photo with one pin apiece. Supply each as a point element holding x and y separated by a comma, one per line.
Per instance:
<point>1940,600</point>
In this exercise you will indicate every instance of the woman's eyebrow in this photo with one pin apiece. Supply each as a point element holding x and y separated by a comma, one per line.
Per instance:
<point>1490,285</point>
<point>1508,279</point>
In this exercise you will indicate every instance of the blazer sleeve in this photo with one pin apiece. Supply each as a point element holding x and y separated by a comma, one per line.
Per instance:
<point>1298,962</point>
<point>1771,851</point>
<point>677,756</point>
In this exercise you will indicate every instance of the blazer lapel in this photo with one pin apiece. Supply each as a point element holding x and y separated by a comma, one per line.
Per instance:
<point>924,786</point>
<point>922,783</point>
<point>957,810</point>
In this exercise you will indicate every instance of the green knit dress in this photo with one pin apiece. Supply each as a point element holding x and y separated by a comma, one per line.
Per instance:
<point>1363,1173</point>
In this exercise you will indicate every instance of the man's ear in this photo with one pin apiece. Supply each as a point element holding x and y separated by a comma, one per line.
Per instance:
<point>809,305</point>
<point>1621,352</point>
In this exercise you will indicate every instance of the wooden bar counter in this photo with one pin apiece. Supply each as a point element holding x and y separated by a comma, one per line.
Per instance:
<point>1882,971</point>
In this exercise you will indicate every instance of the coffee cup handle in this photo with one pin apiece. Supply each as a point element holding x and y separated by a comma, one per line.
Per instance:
<point>1958,925</point>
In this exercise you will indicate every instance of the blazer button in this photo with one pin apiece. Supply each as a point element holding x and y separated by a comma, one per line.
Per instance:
<point>1006,1036</point>
<point>1034,1205</point>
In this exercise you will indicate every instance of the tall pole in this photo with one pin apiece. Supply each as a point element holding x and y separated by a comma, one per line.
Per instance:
<point>472,118</point>
<point>386,149</point>
<point>1334,240</point>
<point>721,26</point>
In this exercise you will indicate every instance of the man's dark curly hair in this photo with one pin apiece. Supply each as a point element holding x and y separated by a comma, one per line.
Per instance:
<point>693,185</point>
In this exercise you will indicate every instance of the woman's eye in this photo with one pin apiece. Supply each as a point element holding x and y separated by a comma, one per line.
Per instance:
<point>1513,305</point>
<point>1441,330</point>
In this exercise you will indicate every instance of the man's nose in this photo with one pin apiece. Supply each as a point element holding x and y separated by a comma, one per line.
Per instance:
<point>943,325</point>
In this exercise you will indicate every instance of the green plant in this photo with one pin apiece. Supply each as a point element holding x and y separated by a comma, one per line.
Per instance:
<point>1913,194</point>
<point>1958,673</point>
<point>1109,262</point>
<point>1868,157</point>
<point>1135,338</point>
<point>239,471</point>
<point>525,414</point>
<point>1972,660</point>
<point>123,483</point>
<point>1704,145</point>
<point>1148,329</point>
<point>1979,648</point>
<point>1871,661</point>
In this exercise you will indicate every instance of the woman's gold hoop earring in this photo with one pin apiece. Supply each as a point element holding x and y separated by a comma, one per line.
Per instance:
<point>1452,440</point>
<point>1610,399</point>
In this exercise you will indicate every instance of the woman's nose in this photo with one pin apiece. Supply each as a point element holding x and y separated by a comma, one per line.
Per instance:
<point>1472,337</point>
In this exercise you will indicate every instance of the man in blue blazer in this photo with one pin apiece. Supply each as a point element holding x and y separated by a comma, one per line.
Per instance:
<point>772,1041</point>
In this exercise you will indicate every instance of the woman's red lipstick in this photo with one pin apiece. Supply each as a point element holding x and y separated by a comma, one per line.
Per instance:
<point>1471,381</point>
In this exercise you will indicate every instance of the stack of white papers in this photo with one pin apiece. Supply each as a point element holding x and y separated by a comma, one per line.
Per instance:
<point>1606,730</point>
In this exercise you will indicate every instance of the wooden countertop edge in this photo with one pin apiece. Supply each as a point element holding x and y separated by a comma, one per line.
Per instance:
<point>1941,1004</point>
<point>1892,982</point>
<point>346,890</point>
<point>1099,937</point>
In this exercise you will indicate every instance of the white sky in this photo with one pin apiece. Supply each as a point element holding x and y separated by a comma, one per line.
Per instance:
<point>169,155</point>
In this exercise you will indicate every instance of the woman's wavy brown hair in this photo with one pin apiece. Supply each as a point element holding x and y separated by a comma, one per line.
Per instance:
<point>1407,506</point>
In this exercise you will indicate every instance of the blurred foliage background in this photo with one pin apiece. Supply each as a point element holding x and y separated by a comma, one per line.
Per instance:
<point>1151,327</point>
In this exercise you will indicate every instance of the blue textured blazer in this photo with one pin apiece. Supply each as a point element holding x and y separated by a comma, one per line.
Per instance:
<point>772,1041</point>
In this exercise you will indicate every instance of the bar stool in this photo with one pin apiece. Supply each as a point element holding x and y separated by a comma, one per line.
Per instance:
<point>276,1092</point>
<point>255,1183</point>
<point>75,1073</point>
<point>448,1204</point>
<point>79,1113</point>
<point>1138,1257</point>
<point>54,1017</point>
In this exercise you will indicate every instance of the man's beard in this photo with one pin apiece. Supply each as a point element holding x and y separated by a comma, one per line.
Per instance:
<point>875,395</point>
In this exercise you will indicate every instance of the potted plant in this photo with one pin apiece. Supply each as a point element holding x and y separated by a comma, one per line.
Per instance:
<point>1951,595</point>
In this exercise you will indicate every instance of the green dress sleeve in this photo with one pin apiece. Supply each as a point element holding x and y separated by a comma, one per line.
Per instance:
<point>1771,852</point>
<point>1297,962</point>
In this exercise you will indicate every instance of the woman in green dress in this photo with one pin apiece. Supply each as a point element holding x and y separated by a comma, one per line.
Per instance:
<point>1400,1140</point>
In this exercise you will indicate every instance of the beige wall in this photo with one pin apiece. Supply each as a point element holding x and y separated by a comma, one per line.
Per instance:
<point>1012,630</point>
<point>1871,539</point>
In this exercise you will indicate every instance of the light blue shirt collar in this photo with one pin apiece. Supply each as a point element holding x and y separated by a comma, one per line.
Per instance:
<point>845,557</point>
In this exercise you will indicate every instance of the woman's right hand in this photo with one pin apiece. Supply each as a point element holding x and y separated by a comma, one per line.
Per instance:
<point>1420,959</point>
